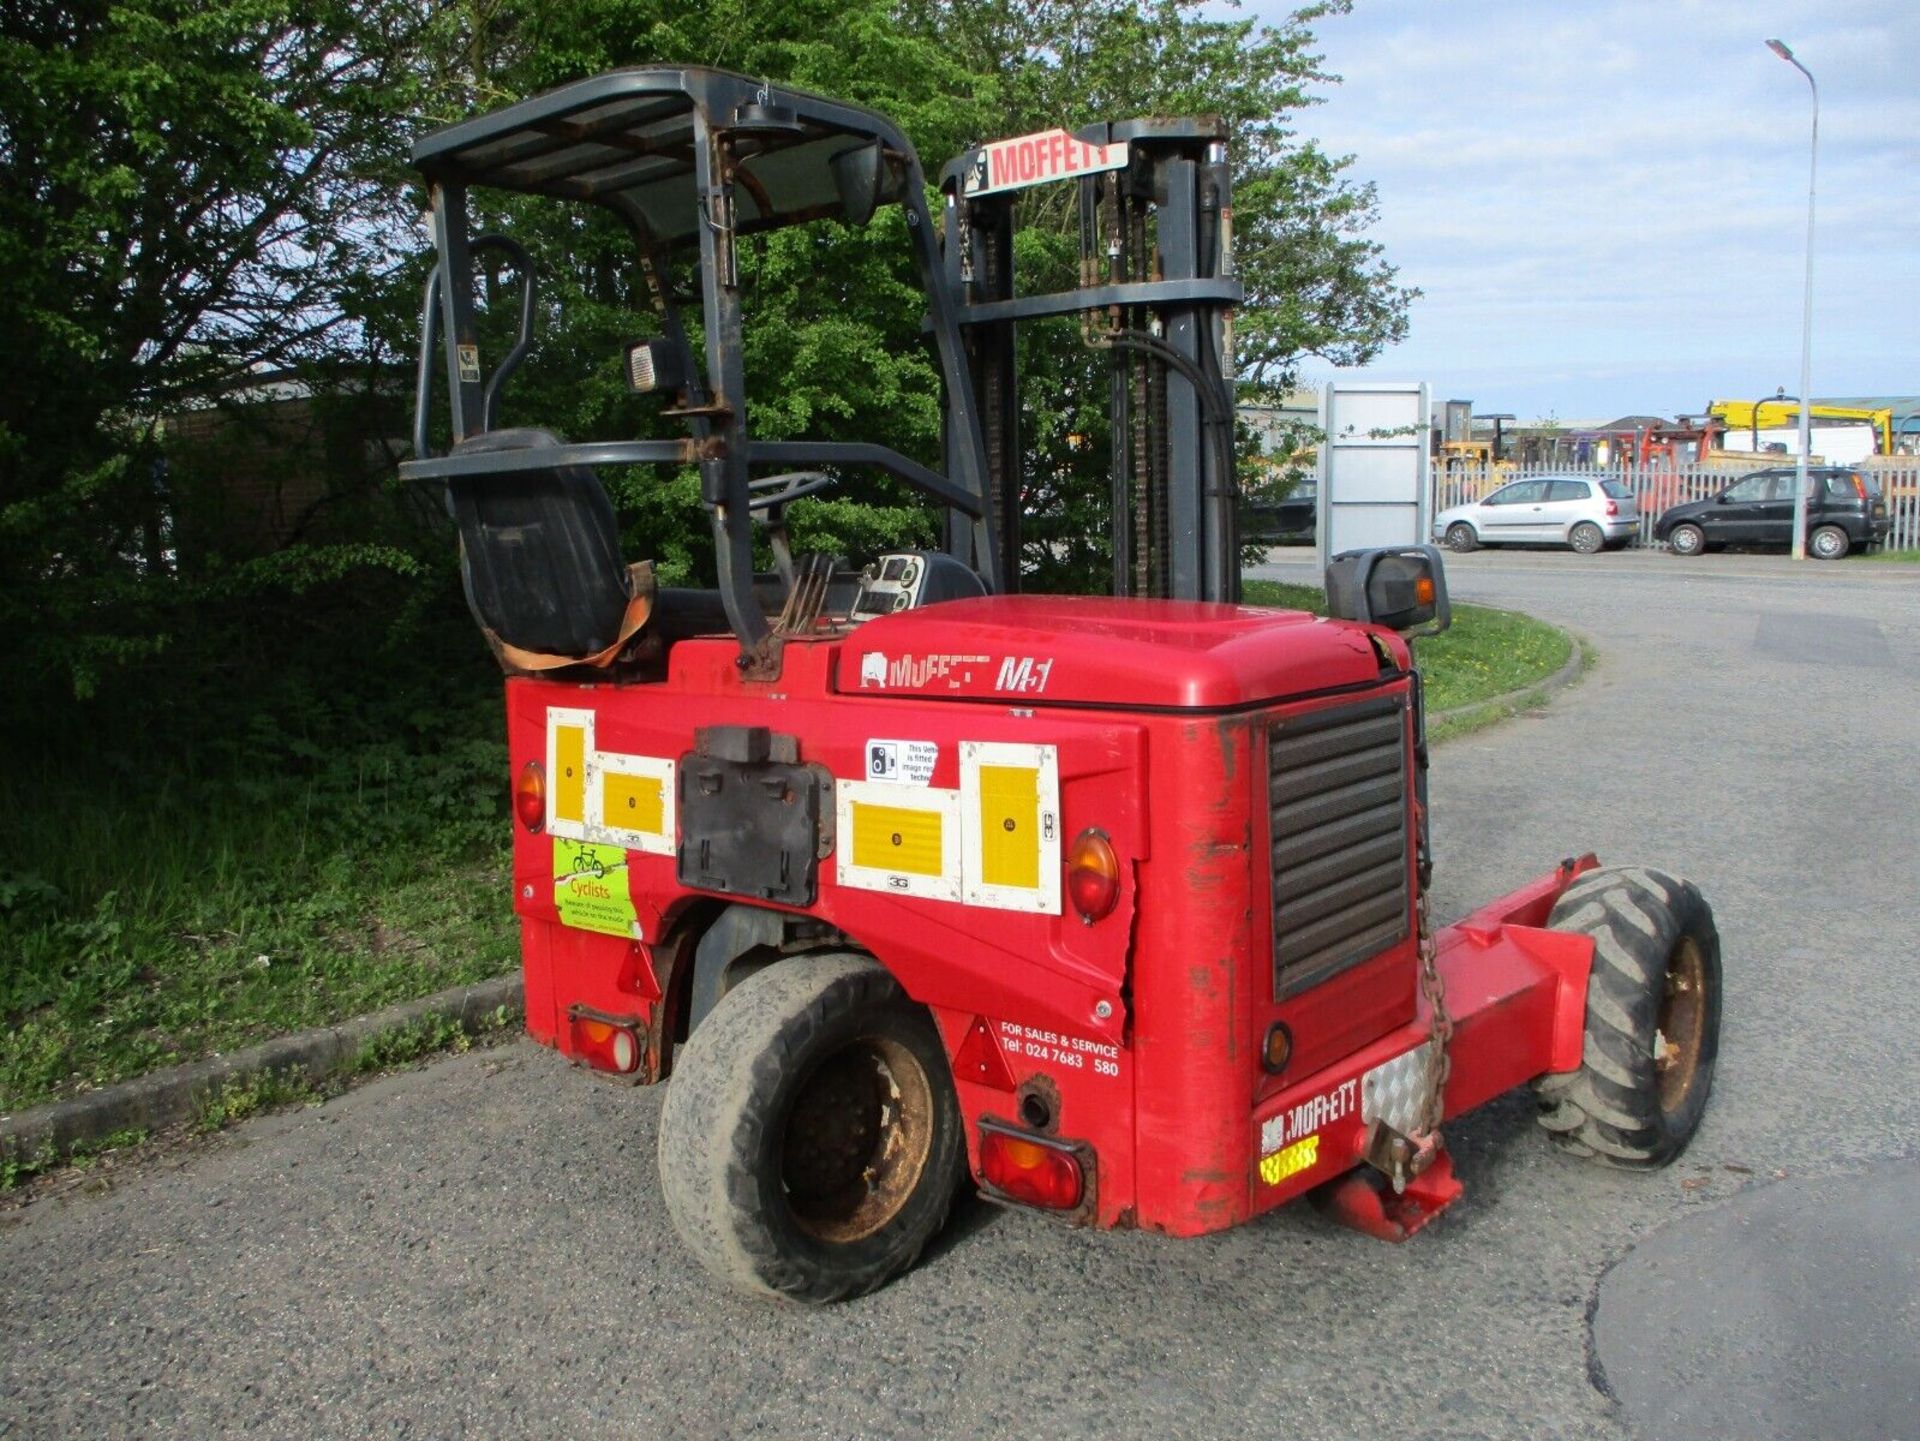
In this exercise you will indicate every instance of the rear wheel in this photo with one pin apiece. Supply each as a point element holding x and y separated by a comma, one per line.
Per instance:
<point>1653,1019</point>
<point>1687,539</point>
<point>1462,538</point>
<point>1829,542</point>
<point>811,1142</point>
<point>1587,538</point>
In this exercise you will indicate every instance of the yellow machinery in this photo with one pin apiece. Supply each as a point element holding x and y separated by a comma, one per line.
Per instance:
<point>1758,415</point>
<point>1474,457</point>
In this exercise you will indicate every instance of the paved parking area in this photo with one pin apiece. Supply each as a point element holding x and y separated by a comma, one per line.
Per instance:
<point>479,1246</point>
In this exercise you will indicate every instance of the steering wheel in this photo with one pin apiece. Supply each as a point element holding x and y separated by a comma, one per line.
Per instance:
<point>771,491</point>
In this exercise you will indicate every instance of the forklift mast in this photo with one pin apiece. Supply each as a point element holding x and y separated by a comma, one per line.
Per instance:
<point>1156,291</point>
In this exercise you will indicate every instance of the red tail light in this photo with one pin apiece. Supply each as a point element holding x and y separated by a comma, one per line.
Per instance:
<point>1613,507</point>
<point>530,795</point>
<point>1859,487</point>
<point>1030,1170</point>
<point>607,1045</point>
<point>1093,875</point>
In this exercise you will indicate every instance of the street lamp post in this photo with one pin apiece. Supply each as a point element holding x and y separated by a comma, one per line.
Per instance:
<point>1779,47</point>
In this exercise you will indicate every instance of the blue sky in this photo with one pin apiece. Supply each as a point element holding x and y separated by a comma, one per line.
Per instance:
<point>1605,204</point>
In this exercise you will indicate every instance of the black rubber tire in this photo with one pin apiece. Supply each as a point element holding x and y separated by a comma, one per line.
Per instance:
<point>1828,542</point>
<point>1586,538</point>
<point>1462,538</point>
<point>724,1126</point>
<point>1643,923</point>
<point>1686,539</point>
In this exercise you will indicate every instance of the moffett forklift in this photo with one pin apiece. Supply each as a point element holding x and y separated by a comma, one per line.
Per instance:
<point>1117,905</point>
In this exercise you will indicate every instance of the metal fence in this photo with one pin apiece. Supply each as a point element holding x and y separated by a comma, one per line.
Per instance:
<point>1657,489</point>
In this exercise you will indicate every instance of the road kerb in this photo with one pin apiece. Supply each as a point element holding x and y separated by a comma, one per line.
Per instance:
<point>177,1093</point>
<point>1526,695</point>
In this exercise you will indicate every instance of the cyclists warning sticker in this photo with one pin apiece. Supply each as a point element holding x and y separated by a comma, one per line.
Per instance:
<point>590,888</point>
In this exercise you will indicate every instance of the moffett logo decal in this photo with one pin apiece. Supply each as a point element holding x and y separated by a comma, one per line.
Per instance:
<point>917,672</point>
<point>1036,159</point>
<point>1300,1121</point>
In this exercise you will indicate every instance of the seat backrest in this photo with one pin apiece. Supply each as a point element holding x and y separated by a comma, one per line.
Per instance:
<point>539,551</point>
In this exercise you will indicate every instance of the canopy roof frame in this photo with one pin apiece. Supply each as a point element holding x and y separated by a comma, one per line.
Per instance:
<point>691,154</point>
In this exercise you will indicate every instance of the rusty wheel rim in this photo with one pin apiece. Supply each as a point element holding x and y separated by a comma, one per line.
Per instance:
<point>1683,1017</point>
<point>857,1140</point>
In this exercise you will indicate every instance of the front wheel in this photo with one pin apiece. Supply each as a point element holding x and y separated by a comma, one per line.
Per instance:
<point>1687,539</point>
<point>1653,1019</point>
<point>1829,542</point>
<point>811,1142</point>
<point>1587,538</point>
<point>1462,538</point>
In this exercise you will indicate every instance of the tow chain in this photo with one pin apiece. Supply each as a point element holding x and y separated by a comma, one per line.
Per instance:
<point>1404,1157</point>
<point>1439,1060</point>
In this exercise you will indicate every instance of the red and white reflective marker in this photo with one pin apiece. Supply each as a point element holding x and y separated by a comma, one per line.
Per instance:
<point>1036,159</point>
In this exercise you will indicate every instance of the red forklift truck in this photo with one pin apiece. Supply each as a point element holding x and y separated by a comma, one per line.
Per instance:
<point>1115,905</point>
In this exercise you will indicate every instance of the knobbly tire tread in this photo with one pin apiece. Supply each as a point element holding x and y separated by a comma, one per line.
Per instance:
<point>1609,1110</point>
<point>727,1101</point>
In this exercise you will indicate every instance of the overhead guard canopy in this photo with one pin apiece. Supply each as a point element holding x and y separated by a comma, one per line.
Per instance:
<point>625,140</point>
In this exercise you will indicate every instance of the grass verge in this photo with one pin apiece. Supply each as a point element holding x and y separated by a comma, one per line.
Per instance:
<point>1488,653</point>
<point>1896,557</point>
<point>161,974</point>
<point>148,921</point>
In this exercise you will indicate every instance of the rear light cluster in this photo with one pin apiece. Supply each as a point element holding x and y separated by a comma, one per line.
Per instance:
<point>1613,507</point>
<point>607,1045</point>
<point>1030,1170</point>
<point>530,795</point>
<point>1093,875</point>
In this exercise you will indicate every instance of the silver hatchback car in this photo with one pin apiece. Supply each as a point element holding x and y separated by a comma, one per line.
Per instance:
<point>1584,512</point>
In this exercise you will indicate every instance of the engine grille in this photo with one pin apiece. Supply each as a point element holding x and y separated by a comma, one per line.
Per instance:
<point>1337,793</point>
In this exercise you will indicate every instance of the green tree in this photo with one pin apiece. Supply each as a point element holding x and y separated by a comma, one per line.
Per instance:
<point>190,194</point>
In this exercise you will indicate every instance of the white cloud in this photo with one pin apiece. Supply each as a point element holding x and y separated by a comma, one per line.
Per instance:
<point>1605,204</point>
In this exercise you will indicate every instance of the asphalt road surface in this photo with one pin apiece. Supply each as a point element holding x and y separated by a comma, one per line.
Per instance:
<point>479,1246</point>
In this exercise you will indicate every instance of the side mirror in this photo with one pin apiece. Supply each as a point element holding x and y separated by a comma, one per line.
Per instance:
<point>861,175</point>
<point>1403,588</point>
<point>1720,499</point>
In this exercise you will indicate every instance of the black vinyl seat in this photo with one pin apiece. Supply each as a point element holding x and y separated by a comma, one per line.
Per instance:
<point>540,553</point>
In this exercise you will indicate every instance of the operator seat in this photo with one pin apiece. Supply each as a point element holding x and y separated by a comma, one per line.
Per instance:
<point>540,561</point>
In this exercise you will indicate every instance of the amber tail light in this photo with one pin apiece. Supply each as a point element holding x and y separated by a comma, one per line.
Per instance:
<point>1093,875</point>
<point>530,795</point>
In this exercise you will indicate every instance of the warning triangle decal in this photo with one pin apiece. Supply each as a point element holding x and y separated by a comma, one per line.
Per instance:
<point>980,1059</point>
